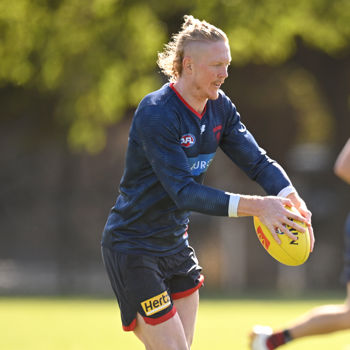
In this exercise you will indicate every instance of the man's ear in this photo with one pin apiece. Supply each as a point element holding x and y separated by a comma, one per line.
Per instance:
<point>187,64</point>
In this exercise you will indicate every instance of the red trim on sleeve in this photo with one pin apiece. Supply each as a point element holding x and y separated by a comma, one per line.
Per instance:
<point>161,319</point>
<point>131,326</point>
<point>186,104</point>
<point>188,292</point>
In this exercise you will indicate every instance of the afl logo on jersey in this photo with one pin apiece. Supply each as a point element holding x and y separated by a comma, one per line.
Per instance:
<point>187,140</point>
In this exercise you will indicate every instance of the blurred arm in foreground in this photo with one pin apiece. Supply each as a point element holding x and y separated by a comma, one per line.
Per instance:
<point>324,319</point>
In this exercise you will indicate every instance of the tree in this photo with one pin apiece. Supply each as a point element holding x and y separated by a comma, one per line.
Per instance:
<point>94,56</point>
<point>312,38</point>
<point>97,58</point>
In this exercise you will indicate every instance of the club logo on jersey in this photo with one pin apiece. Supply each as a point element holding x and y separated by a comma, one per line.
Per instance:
<point>262,238</point>
<point>217,132</point>
<point>158,303</point>
<point>200,164</point>
<point>187,140</point>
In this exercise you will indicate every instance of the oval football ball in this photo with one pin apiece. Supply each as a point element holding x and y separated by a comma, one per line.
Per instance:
<point>289,252</point>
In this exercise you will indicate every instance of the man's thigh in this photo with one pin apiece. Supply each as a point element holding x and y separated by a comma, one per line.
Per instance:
<point>187,309</point>
<point>168,335</point>
<point>175,333</point>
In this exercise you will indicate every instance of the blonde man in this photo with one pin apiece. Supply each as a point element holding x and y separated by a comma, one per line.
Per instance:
<point>324,319</point>
<point>175,133</point>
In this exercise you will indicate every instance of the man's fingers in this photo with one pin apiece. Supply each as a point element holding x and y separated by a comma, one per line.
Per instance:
<point>282,229</point>
<point>287,232</point>
<point>312,238</point>
<point>297,217</point>
<point>274,233</point>
<point>294,225</point>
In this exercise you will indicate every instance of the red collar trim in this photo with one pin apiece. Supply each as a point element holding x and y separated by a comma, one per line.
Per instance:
<point>186,104</point>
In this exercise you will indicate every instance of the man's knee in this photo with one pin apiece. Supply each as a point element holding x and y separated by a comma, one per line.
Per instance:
<point>168,344</point>
<point>167,335</point>
<point>189,339</point>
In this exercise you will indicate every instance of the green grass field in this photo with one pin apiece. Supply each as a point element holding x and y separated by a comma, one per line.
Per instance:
<point>91,324</point>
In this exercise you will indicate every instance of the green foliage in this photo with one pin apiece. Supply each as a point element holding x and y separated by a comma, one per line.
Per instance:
<point>265,31</point>
<point>98,57</point>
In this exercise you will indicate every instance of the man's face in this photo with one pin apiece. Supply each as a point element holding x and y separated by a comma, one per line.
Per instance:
<point>210,61</point>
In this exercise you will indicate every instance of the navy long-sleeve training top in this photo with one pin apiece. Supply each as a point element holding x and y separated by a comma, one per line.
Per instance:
<point>170,148</point>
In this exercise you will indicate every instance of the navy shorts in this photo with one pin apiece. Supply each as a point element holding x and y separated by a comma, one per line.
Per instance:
<point>149,284</point>
<point>346,271</point>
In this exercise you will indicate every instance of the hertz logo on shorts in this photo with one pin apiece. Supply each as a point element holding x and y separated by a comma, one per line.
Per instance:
<point>153,305</point>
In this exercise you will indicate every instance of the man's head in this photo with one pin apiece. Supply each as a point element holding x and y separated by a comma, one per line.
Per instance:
<point>198,50</point>
<point>204,67</point>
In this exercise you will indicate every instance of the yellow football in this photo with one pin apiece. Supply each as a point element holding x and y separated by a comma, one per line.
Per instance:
<point>289,252</point>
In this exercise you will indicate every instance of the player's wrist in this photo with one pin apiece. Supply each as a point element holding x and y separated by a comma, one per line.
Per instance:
<point>285,192</point>
<point>250,205</point>
<point>233,204</point>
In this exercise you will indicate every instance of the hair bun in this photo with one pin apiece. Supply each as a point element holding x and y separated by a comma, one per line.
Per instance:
<point>188,21</point>
<point>193,30</point>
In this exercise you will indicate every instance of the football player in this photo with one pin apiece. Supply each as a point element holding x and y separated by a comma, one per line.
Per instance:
<point>173,138</point>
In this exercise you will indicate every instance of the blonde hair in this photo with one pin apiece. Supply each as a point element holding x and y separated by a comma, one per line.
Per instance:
<point>192,30</point>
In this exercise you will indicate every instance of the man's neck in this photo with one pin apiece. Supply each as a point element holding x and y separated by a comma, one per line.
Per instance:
<point>187,93</point>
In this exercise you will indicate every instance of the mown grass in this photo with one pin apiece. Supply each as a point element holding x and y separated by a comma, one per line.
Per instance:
<point>91,324</point>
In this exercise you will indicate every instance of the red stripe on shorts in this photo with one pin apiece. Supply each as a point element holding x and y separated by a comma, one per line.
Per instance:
<point>131,326</point>
<point>188,292</point>
<point>161,319</point>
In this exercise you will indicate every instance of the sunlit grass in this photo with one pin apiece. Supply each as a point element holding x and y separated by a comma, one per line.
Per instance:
<point>77,324</point>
